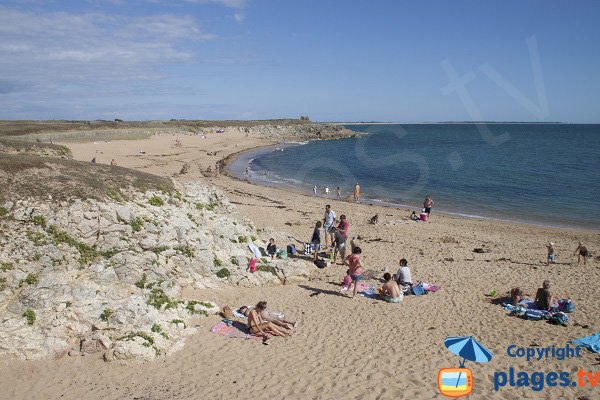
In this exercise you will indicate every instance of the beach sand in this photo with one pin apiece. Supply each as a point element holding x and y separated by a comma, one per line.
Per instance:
<point>344,348</point>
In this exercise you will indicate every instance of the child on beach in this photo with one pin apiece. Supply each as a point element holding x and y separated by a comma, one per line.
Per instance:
<point>551,255</point>
<point>354,264</point>
<point>581,251</point>
<point>390,291</point>
<point>316,239</point>
<point>271,248</point>
<point>543,297</point>
<point>403,275</point>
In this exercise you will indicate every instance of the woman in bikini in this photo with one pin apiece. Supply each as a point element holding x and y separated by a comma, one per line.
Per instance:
<point>256,324</point>
<point>266,316</point>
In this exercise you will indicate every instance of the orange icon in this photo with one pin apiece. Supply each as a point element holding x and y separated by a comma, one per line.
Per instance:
<point>455,382</point>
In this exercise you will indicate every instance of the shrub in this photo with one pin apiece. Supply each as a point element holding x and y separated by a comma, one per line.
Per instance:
<point>178,321</point>
<point>2,283</point>
<point>242,239</point>
<point>160,249</point>
<point>217,262</point>
<point>185,250</point>
<point>109,253</point>
<point>149,340</point>
<point>30,279</point>
<point>223,273</point>
<point>87,253</point>
<point>105,316</point>
<point>156,201</point>
<point>6,266</point>
<point>40,220</point>
<point>156,328</point>
<point>192,303</point>
<point>137,224</point>
<point>234,260</point>
<point>142,282</point>
<point>29,314</point>
<point>3,211</point>
<point>159,300</point>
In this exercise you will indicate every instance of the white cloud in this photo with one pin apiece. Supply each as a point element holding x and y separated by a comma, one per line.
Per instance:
<point>239,17</point>
<point>49,49</point>
<point>226,3</point>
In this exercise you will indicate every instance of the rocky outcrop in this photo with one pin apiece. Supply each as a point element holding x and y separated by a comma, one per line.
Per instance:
<point>88,276</point>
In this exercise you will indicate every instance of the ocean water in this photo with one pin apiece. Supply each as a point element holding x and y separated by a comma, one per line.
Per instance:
<point>547,174</point>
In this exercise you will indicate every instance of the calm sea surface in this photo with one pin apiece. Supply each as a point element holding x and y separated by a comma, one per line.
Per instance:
<point>547,174</point>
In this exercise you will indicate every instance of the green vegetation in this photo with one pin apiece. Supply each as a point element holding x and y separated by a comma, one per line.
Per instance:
<point>253,238</point>
<point>156,201</point>
<point>266,268</point>
<point>40,220</point>
<point>137,224</point>
<point>36,257</point>
<point>2,283</point>
<point>149,340</point>
<point>192,303</point>
<point>3,212</point>
<point>29,314</point>
<point>209,206</point>
<point>178,321</point>
<point>87,253</point>
<point>142,282</point>
<point>185,250</point>
<point>242,239</point>
<point>159,300</point>
<point>156,328</point>
<point>38,238</point>
<point>30,279</point>
<point>105,316</point>
<point>191,218</point>
<point>234,260</point>
<point>68,304</point>
<point>6,266</point>
<point>115,195</point>
<point>109,253</point>
<point>223,273</point>
<point>160,249</point>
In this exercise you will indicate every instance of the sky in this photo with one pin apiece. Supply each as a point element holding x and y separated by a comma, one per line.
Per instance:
<point>332,60</point>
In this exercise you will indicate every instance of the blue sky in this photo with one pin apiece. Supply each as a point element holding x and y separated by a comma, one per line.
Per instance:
<point>333,60</point>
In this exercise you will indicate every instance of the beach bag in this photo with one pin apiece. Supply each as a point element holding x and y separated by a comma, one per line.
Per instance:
<point>566,306</point>
<point>291,249</point>
<point>560,318</point>
<point>308,248</point>
<point>252,265</point>
<point>320,263</point>
<point>418,290</point>
<point>282,254</point>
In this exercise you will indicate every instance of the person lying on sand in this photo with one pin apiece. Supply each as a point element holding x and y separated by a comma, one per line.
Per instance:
<point>267,316</point>
<point>517,295</point>
<point>390,291</point>
<point>257,325</point>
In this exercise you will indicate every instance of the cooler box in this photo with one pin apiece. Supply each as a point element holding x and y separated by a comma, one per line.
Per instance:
<point>424,216</point>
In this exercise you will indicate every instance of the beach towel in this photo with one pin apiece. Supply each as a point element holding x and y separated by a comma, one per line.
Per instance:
<point>370,293</point>
<point>255,250</point>
<point>430,287</point>
<point>591,342</point>
<point>235,330</point>
<point>528,310</point>
<point>275,314</point>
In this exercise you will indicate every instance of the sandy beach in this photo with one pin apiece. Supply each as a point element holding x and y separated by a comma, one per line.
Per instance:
<point>344,348</point>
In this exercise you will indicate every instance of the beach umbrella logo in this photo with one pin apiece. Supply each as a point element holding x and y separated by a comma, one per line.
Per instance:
<point>458,382</point>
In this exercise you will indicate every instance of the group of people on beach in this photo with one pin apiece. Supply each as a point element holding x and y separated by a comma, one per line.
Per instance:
<point>581,252</point>
<point>338,192</point>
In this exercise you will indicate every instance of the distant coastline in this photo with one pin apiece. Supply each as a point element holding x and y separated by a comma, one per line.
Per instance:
<point>460,123</point>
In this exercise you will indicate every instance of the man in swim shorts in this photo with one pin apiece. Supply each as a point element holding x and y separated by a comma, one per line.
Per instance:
<point>390,291</point>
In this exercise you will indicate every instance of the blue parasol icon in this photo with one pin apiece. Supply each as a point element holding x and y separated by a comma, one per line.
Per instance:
<point>469,349</point>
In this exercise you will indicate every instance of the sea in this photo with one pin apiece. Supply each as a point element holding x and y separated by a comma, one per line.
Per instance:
<point>544,174</point>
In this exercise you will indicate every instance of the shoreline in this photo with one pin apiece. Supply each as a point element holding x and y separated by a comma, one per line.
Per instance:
<point>232,159</point>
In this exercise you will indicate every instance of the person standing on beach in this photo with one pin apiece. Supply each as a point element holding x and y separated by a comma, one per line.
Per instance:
<point>315,190</point>
<point>328,222</point>
<point>338,193</point>
<point>551,255</point>
<point>343,226</point>
<point>315,240</point>
<point>582,251</point>
<point>355,266</point>
<point>326,192</point>
<point>427,205</point>
<point>357,192</point>
<point>247,172</point>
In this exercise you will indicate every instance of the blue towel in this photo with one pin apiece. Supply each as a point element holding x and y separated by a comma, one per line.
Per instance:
<point>591,342</point>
